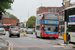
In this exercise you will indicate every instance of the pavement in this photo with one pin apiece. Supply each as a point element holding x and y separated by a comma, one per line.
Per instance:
<point>3,44</point>
<point>61,37</point>
<point>30,42</point>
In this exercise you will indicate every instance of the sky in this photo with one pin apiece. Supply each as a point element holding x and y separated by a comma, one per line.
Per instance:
<point>23,9</point>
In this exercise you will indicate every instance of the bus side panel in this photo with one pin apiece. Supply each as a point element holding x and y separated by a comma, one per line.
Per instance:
<point>44,34</point>
<point>38,33</point>
<point>50,35</point>
<point>72,36</point>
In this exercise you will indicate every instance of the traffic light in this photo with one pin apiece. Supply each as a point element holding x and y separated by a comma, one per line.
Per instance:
<point>66,16</point>
<point>0,15</point>
<point>17,24</point>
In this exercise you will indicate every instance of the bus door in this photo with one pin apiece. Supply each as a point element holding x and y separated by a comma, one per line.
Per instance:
<point>72,32</point>
<point>42,25</point>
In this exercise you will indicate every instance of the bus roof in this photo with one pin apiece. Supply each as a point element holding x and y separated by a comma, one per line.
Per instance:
<point>69,7</point>
<point>71,23</point>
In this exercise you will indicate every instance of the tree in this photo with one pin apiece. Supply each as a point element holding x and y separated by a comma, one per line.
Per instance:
<point>12,16</point>
<point>5,4</point>
<point>31,21</point>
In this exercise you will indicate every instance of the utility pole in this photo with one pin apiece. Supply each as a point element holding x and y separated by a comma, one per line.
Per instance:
<point>62,15</point>
<point>28,18</point>
<point>41,7</point>
<point>62,9</point>
<point>67,4</point>
<point>20,23</point>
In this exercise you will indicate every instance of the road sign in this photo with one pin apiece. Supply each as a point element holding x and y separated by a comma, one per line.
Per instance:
<point>33,26</point>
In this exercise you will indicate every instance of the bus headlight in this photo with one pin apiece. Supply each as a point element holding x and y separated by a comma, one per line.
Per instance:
<point>42,25</point>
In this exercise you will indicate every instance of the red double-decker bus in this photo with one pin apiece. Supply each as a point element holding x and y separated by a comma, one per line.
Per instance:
<point>6,27</point>
<point>47,25</point>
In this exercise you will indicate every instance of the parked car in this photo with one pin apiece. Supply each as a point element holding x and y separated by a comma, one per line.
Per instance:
<point>2,31</point>
<point>14,32</point>
<point>29,31</point>
<point>1,26</point>
<point>11,27</point>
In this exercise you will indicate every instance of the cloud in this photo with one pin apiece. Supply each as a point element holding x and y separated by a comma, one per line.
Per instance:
<point>21,7</point>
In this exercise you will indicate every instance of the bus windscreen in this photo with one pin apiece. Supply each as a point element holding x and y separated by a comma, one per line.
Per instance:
<point>51,28</point>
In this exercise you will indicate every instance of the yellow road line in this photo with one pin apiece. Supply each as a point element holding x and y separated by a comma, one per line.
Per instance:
<point>10,44</point>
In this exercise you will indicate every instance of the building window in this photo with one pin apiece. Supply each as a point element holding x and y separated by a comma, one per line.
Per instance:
<point>58,10</point>
<point>52,9</point>
<point>55,10</point>
<point>49,10</point>
<point>43,11</point>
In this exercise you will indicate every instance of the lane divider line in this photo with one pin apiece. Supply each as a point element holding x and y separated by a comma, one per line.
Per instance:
<point>12,45</point>
<point>38,46</point>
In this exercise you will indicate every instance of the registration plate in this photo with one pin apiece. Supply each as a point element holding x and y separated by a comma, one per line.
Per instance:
<point>1,33</point>
<point>51,36</point>
<point>15,34</point>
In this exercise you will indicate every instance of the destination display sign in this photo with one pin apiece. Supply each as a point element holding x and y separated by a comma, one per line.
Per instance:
<point>72,19</point>
<point>51,22</point>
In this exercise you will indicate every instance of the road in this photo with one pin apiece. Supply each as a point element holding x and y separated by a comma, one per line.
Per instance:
<point>30,42</point>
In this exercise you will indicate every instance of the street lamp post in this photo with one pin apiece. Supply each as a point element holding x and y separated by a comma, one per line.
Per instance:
<point>41,7</point>
<point>62,9</point>
<point>28,18</point>
<point>69,3</point>
<point>20,23</point>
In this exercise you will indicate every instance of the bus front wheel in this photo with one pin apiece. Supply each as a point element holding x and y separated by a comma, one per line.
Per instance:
<point>41,36</point>
<point>54,38</point>
<point>36,35</point>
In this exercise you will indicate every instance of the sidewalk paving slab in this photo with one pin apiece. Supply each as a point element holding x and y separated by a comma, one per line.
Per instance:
<point>60,37</point>
<point>3,44</point>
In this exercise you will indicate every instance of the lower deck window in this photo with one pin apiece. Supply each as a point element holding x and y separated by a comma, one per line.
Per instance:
<point>37,27</point>
<point>71,28</point>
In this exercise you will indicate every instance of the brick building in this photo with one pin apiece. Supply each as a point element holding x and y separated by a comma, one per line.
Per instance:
<point>6,20</point>
<point>49,9</point>
<point>10,21</point>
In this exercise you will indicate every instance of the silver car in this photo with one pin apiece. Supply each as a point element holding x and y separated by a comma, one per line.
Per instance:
<point>29,31</point>
<point>2,31</point>
<point>14,32</point>
<point>24,29</point>
<point>21,30</point>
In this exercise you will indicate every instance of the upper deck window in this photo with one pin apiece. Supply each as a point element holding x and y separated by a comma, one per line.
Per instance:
<point>51,16</point>
<point>71,11</point>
